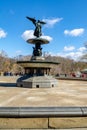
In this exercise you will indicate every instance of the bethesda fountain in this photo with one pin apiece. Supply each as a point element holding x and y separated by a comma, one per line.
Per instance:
<point>37,69</point>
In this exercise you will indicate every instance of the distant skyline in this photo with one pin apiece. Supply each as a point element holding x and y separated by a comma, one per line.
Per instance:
<point>66,27</point>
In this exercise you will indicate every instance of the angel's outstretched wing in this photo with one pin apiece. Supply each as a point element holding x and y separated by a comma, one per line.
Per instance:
<point>42,22</point>
<point>31,19</point>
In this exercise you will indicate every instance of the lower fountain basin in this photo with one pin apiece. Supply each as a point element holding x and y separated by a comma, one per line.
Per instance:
<point>37,64</point>
<point>37,82</point>
<point>37,74</point>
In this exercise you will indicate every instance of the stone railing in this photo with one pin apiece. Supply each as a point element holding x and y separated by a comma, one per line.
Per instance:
<point>43,111</point>
<point>43,117</point>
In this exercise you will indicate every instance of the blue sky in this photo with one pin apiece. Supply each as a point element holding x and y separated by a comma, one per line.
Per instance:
<point>66,26</point>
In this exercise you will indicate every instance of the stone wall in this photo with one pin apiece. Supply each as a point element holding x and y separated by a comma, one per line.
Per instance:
<point>43,123</point>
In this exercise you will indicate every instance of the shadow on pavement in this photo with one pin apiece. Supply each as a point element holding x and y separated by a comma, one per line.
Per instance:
<point>8,84</point>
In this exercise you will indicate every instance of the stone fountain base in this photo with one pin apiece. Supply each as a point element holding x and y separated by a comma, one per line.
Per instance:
<point>37,70</point>
<point>37,82</point>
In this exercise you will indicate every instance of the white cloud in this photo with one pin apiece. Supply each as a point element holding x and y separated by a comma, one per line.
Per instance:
<point>28,34</point>
<point>72,55</point>
<point>47,37</point>
<point>3,53</point>
<point>74,32</point>
<point>75,55</point>
<point>82,49</point>
<point>3,34</point>
<point>52,22</point>
<point>69,48</point>
<point>18,52</point>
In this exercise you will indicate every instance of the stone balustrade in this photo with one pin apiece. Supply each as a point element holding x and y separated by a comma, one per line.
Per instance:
<point>43,117</point>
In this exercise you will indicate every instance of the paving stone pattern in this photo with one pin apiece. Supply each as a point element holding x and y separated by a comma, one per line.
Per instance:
<point>68,93</point>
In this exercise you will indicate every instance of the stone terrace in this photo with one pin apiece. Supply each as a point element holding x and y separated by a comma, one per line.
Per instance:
<point>68,93</point>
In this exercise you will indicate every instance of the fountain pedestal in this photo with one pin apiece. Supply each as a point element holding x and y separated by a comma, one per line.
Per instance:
<point>37,70</point>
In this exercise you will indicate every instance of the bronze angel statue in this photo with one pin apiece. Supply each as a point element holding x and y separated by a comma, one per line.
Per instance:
<point>37,23</point>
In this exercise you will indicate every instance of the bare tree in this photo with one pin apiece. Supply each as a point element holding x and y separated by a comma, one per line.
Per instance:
<point>84,57</point>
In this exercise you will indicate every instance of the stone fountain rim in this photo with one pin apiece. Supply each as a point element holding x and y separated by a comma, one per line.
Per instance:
<point>39,61</point>
<point>38,40</point>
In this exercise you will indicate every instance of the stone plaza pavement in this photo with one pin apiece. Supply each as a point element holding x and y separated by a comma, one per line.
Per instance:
<point>68,93</point>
